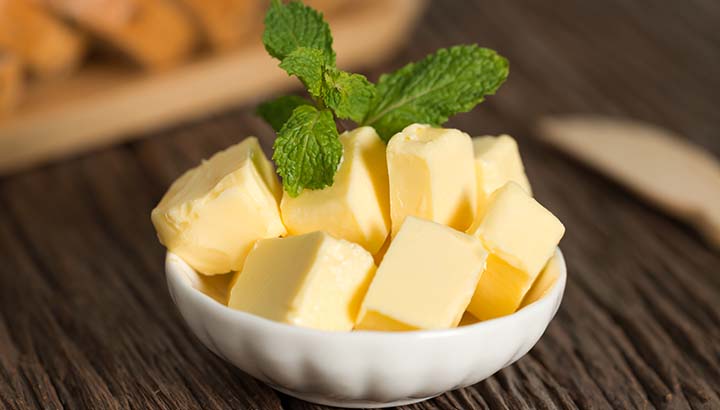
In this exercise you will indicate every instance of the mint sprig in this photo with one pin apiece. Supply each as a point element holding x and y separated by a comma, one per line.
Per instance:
<point>443,84</point>
<point>294,25</point>
<point>276,112</point>
<point>307,151</point>
<point>307,64</point>
<point>349,95</point>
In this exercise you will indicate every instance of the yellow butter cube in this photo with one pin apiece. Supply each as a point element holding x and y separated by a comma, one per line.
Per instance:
<point>468,320</point>
<point>379,255</point>
<point>499,291</point>
<point>212,215</point>
<point>312,280</point>
<point>356,206</point>
<point>425,280</point>
<point>497,161</point>
<point>544,282</point>
<point>519,230</point>
<point>432,176</point>
<point>521,236</point>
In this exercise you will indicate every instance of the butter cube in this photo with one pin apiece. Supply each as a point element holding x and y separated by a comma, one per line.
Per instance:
<point>519,230</point>
<point>497,161</point>
<point>425,280</point>
<point>356,206</point>
<point>312,280</point>
<point>432,176</point>
<point>544,282</point>
<point>500,290</point>
<point>212,215</point>
<point>521,236</point>
<point>468,320</point>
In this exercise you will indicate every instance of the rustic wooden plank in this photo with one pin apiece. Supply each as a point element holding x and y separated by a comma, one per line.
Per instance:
<point>67,365</point>
<point>110,319</point>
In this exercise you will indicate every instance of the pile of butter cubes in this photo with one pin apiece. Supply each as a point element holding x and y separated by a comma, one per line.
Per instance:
<point>433,228</point>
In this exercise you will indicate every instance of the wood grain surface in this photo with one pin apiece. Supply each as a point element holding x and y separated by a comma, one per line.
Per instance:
<point>86,320</point>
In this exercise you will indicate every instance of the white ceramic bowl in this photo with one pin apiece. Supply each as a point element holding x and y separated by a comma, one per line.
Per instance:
<point>359,369</point>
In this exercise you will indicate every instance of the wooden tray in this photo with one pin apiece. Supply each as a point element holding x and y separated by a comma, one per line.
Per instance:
<point>104,104</point>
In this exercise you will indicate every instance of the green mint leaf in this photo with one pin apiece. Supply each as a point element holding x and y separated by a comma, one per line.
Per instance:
<point>307,151</point>
<point>308,65</point>
<point>294,25</point>
<point>349,95</point>
<point>276,112</point>
<point>448,82</point>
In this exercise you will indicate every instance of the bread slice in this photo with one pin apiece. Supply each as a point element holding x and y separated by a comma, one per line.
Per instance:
<point>157,34</point>
<point>226,23</point>
<point>10,81</point>
<point>45,45</point>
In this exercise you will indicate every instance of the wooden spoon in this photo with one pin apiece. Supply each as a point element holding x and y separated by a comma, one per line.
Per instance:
<point>678,176</point>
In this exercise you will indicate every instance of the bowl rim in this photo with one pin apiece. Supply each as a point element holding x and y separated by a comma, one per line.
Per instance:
<point>174,274</point>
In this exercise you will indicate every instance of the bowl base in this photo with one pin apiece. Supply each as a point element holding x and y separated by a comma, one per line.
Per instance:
<point>350,403</point>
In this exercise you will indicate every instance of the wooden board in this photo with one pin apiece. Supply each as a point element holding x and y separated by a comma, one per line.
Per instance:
<point>102,104</point>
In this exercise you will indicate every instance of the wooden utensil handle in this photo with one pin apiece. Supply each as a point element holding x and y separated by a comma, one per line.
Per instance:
<point>708,223</point>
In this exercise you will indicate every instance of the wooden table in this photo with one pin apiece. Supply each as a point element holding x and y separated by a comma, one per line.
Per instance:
<point>85,317</point>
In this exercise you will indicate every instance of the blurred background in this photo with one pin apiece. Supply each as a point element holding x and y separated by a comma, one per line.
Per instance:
<point>103,103</point>
<point>79,74</point>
